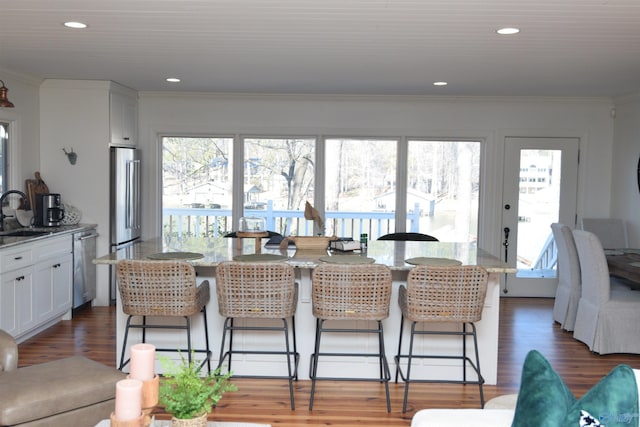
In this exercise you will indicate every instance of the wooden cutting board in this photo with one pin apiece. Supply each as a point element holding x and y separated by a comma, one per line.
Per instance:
<point>34,187</point>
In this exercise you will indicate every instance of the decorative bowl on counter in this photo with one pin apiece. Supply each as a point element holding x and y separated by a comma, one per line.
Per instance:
<point>72,215</point>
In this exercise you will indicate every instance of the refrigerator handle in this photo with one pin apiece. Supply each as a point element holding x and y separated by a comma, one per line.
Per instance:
<point>133,194</point>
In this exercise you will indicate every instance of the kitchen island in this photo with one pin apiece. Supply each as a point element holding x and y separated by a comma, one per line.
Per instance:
<point>390,253</point>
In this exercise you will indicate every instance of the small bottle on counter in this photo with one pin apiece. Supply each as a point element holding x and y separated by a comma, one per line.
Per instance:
<point>364,240</point>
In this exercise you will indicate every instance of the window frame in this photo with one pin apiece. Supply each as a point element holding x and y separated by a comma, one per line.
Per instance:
<point>402,146</point>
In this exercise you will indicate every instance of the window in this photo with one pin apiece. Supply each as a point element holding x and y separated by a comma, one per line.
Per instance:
<point>443,186</point>
<point>360,186</point>
<point>196,174</point>
<point>278,180</point>
<point>355,191</point>
<point>4,143</point>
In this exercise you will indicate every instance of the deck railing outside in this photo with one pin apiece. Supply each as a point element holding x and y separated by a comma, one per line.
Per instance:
<point>217,222</point>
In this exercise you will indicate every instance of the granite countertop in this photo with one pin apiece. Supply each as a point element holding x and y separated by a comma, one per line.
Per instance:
<point>8,241</point>
<point>390,253</point>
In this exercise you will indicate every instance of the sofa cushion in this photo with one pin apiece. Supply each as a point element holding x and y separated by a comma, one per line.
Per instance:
<point>544,399</point>
<point>41,390</point>
<point>462,417</point>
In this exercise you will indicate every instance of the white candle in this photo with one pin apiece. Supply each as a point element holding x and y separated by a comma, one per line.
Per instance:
<point>128,399</point>
<point>143,359</point>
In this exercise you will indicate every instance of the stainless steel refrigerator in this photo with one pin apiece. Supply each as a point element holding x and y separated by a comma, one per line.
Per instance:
<point>124,201</point>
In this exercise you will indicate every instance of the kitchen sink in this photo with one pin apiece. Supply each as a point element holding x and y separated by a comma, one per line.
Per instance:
<point>23,233</point>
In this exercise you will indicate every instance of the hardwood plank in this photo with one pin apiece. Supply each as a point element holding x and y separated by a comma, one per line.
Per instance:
<point>525,324</point>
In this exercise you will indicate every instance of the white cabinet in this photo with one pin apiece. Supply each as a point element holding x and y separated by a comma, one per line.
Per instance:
<point>15,301</point>
<point>35,284</point>
<point>123,109</point>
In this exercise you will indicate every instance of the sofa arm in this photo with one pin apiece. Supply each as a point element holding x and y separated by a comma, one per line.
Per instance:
<point>8,352</point>
<point>462,417</point>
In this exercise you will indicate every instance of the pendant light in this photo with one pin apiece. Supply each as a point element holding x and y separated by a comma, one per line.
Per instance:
<point>4,102</point>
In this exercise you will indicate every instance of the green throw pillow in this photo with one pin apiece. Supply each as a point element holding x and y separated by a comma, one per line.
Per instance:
<point>544,399</point>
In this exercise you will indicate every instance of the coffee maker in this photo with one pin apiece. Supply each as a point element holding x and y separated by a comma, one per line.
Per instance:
<point>49,211</point>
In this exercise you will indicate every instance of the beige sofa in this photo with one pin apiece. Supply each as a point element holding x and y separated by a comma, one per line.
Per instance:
<point>75,391</point>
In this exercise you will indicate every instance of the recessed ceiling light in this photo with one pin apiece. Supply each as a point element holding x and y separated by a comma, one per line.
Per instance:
<point>440,83</point>
<point>508,31</point>
<point>74,24</point>
<point>173,80</point>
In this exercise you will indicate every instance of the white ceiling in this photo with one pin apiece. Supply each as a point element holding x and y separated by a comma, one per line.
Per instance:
<point>565,48</point>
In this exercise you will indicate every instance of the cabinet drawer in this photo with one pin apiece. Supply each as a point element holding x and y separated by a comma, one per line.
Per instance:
<point>18,257</point>
<point>52,247</point>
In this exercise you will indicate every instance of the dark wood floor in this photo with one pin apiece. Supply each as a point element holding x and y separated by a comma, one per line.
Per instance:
<point>525,324</point>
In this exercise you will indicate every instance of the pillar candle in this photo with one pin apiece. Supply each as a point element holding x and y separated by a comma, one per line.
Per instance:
<point>143,359</point>
<point>128,399</point>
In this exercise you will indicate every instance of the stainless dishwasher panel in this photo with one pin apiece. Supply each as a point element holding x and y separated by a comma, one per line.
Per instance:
<point>84,270</point>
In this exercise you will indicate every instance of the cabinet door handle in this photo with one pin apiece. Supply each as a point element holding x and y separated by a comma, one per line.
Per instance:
<point>56,265</point>
<point>17,258</point>
<point>19,278</point>
<point>126,138</point>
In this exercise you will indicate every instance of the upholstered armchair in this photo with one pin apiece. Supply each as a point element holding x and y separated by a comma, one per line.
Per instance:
<point>71,392</point>
<point>8,352</point>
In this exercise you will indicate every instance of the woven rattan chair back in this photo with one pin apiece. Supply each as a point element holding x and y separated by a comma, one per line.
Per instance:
<point>445,294</point>
<point>360,291</point>
<point>159,288</point>
<point>256,290</point>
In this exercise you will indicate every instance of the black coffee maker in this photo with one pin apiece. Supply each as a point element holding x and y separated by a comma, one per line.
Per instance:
<point>49,211</point>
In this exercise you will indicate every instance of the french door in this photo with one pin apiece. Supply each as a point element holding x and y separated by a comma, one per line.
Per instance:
<point>540,188</point>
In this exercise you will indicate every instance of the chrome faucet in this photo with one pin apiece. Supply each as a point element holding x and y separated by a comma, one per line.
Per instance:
<point>4,196</point>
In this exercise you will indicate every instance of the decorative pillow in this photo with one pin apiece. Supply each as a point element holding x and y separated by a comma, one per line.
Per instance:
<point>544,399</point>
<point>612,402</point>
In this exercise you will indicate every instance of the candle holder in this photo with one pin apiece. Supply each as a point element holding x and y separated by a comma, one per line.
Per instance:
<point>136,422</point>
<point>150,390</point>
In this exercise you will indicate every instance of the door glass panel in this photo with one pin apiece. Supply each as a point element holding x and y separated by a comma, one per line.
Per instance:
<point>443,188</point>
<point>538,208</point>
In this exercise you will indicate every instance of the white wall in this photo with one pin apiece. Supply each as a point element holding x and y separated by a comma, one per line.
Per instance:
<point>491,119</point>
<point>24,154</point>
<point>75,114</point>
<point>625,195</point>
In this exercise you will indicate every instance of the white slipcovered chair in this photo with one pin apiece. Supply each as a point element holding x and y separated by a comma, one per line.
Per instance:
<point>565,307</point>
<point>612,232</point>
<point>608,320</point>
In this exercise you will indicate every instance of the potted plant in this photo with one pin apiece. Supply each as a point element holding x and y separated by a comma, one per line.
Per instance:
<point>186,395</point>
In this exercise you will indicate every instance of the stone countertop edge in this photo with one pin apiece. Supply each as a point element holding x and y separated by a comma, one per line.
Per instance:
<point>7,241</point>
<point>143,248</point>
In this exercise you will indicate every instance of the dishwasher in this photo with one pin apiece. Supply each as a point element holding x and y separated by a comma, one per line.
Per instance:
<point>84,270</point>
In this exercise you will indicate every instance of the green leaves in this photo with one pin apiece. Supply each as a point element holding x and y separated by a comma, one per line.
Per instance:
<point>185,394</point>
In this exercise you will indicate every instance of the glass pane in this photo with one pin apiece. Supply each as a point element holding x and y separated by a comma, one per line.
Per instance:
<point>196,186</point>
<point>360,187</point>
<point>278,180</point>
<point>538,208</point>
<point>443,188</point>
<point>4,140</point>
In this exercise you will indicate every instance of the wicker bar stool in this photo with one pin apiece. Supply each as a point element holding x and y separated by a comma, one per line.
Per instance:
<point>162,289</point>
<point>259,290</point>
<point>350,292</point>
<point>442,295</point>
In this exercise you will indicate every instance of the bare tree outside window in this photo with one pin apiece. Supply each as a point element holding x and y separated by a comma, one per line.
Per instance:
<point>443,182</point>
<point>360,177</point>
<point>279,171</point>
